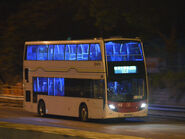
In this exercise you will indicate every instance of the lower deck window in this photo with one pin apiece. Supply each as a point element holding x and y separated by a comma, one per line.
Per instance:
<point>48,86</point>
<point>68,87</point>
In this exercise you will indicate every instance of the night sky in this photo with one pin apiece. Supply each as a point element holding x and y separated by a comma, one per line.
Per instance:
<point>92,18</point>
<point>32,20</point>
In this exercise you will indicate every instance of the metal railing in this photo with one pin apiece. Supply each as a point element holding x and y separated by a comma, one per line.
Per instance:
<point>167,111</point>
<point>167,108</point>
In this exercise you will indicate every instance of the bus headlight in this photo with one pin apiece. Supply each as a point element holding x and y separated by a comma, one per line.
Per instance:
<point>143,105</point>
<point>111,106</point>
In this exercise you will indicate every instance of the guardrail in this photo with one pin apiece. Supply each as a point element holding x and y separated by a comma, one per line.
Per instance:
<point>11,101</point>
<point>166,108</point>
<point>12,97</point>
<point>167,111</point>
<point>16,89</point>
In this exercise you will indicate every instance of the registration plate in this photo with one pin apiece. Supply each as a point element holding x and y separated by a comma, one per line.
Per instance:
<point>128,115</point>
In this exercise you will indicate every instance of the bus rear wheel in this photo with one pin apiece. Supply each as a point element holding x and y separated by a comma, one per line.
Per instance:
<point>83,115</point>
<point>41,109</point>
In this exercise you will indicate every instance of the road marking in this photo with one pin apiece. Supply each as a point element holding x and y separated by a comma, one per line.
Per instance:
<point>66,131</point>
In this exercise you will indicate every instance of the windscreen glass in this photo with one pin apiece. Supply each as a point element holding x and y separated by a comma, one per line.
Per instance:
<point>126,90</point>
<point>124,51</point>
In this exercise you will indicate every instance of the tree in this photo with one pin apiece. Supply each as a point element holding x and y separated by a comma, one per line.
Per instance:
<point>60,19</point>
<point>161,19</point>
<point>146,19</point>
<point>36,20</point>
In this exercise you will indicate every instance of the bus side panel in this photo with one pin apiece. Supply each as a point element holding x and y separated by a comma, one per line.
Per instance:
<point>29,105</point>
<point>95,108</point>
<point>68,106</point>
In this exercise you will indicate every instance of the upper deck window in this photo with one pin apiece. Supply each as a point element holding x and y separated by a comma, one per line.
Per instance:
<point>95,52</point>
<point>79,52</point>
<point>83,52</point>
<point>124,51</point>
<point>70,52</point>
<point>42,52</point>
<point>59,52</point>
<point>31,52</point>
<point>50,52</point>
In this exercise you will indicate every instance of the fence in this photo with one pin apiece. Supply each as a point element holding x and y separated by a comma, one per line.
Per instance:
<point>16,90</point>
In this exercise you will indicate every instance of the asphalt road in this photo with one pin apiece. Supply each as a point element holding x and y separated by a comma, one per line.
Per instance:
<point>158,127</point>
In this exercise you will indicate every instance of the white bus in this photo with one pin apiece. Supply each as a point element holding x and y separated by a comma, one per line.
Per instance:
<point>89,79</point>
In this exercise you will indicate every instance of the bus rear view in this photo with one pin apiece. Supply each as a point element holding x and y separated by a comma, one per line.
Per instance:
<point>126,78</point>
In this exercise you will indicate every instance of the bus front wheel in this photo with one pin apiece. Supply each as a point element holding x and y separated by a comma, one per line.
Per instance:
<point>41,109</point>
<point>83,115</point>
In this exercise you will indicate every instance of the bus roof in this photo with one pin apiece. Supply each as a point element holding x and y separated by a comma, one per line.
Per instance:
<point>120,38</point>
<point>95,40</point>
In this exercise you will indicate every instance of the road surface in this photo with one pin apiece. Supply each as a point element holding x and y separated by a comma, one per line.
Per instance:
<point>152,127</point>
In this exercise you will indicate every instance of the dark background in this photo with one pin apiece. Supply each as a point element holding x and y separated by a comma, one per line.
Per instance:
<point>160,25</point>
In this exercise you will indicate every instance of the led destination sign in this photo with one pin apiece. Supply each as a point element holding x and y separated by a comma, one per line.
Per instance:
<point>125,69</point>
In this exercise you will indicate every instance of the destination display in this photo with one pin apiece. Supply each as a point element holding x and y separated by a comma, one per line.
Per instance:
<point>125,69</point>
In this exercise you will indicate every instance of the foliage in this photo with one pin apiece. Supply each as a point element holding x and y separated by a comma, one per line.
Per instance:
<point>59,19</point>
<point>174,81</point>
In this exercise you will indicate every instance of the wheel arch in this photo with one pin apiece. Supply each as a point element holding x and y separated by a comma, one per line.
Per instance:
<point>39,102</point>
<point>82,104</point>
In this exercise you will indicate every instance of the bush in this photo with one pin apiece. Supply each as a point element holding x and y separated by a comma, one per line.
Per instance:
<point>174,81</point>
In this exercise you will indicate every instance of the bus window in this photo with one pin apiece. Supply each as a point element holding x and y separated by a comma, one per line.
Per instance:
<point>70,52</point>
<point>95,52</point>
<point>50,52</point>
<point>73,88</point>
<point>87,88</point>
<point>82,52</point>
<point>51,86</point>
<point>31,52</point>
<point>42,84</point>
<point>123,51</point>
<point>98,87</point>
<point>59,52</point>
<point>42,52</point>
<point>114,51</point>
<point>135,51</point>
<point>124,90</point>
<point>34,84</point>
<point>59,87</point>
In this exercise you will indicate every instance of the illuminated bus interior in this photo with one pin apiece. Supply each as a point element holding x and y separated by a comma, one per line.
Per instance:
<point>79,52</point>
<point>68,87</point>
<point>126,90</point>
<point>126,77</point>
<point>124,51</point>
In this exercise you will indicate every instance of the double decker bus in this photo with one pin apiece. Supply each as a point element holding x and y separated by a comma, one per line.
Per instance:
<point>89,79</point>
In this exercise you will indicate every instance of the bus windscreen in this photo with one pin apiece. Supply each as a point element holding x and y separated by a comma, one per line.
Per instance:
<point>124,51</point>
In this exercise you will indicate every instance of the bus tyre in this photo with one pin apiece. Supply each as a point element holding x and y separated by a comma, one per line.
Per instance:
<point>41,109</point>
<point>83,115</point>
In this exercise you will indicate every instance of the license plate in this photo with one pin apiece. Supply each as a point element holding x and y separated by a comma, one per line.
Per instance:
<point>128,115</point>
